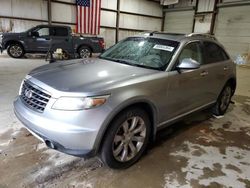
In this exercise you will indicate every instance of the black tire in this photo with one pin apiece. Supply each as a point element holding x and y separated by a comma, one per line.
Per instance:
<point>15,50</point>
<point>139,140</point>
<point>223,101</point>
<point>84,52</point>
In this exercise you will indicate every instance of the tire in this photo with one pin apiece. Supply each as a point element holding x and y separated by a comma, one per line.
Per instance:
<point>15,50</point>
<point>223,101</point>
<point>129,131</point>
<point>84,52</point>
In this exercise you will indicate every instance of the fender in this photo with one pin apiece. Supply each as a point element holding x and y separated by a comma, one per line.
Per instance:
<point>139,100</point>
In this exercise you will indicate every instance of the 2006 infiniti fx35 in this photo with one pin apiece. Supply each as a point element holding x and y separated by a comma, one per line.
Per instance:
<point>112,106</point>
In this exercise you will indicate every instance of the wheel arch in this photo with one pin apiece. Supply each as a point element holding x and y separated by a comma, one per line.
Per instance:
<point>83,45</point>
<point>13,42</point>
<point>143,104</point>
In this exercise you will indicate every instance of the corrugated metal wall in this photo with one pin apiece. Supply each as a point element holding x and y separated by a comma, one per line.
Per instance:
<point>232,28</point>
<point>24,9</point>
<point>232,23</point>
<point>179,21</point>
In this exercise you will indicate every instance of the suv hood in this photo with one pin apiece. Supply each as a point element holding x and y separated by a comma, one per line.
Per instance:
<point>13,34</point>
<point>88,75</point>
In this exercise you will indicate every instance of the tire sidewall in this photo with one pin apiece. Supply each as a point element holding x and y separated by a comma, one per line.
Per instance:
<point>218,110</point>
<point>15,44</point>
<point>106,150</point>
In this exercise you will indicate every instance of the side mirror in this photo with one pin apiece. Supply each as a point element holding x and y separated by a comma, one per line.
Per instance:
<point>34,34</point>
<point>188,63</point>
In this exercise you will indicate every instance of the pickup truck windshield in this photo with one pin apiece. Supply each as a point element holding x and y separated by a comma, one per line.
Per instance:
<point>144,52</point>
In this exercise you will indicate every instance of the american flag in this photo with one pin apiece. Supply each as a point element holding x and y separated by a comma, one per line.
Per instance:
<point>88,16</point>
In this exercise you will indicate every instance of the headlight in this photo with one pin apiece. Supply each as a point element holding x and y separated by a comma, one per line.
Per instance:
<point>77,103</point>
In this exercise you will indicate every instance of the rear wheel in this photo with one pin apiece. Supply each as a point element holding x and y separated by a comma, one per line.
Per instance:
<point>223,101</point>
<point>15,50</point>
<point>84,52</point>
<point>127,139</point>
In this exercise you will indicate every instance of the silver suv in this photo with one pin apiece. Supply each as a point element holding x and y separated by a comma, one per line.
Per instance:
<point>113,105</point>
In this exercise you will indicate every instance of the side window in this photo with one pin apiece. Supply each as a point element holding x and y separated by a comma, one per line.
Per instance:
<point>43,32</point>
<point>193,51</point>
<point>60,32</point>
<point>214,53</point>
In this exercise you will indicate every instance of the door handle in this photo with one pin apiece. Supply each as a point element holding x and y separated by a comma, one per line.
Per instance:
<point>225,68</point>
<point>204,73</point>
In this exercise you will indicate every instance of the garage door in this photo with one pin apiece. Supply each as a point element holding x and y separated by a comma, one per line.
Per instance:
<point>232,29</point>
<point>179,21</point>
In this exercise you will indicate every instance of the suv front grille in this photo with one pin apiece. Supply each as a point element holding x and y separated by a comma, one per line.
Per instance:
<point>34,97</point>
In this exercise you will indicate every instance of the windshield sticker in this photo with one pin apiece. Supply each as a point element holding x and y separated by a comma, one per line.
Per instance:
<point>163,47</point>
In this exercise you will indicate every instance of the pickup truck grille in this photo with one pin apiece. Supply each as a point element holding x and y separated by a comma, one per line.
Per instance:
<point>34,97</point>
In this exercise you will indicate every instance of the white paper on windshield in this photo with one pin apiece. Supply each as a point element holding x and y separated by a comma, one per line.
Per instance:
<point>163,47</point>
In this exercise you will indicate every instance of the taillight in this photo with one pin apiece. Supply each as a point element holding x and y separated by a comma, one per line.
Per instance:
<point>102,43</point>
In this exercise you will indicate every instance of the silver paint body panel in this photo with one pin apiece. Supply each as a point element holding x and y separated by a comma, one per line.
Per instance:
<point>170,94</point>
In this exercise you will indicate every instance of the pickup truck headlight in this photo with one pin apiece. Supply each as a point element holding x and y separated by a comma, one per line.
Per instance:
<point>79,103</point>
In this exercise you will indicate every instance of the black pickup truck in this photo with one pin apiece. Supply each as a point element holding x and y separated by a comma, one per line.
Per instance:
<point>42,38</point>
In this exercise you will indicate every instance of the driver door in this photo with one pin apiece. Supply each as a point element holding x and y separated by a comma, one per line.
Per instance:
<point>39,39</point>
<point>187,88</point>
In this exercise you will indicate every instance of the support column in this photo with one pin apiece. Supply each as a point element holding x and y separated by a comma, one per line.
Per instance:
<point>49,12</point>
<point>117,21</point>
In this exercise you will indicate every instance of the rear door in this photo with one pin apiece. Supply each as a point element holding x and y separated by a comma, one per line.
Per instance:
<point>61,38</point>
<point>217,65</point>
<point>187,88</point>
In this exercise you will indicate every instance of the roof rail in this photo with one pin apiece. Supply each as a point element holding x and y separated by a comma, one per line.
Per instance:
<point>206,35</point>
<point>151,33</point>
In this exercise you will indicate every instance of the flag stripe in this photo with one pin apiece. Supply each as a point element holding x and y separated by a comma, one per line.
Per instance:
<point>95,17</point>
<point>81,19</point>
<point>99,16</point>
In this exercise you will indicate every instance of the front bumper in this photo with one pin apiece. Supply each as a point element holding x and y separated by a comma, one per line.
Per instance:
<point>71,132</point>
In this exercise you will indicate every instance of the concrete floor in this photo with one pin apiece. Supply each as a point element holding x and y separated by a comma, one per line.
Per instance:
<point>201,151</point>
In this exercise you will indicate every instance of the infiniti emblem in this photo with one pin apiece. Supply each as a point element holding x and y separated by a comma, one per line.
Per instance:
<point>28,93</point>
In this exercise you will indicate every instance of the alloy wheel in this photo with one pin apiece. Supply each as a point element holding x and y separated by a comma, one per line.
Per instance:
<point>129,139</point>
<point>85,53</point>
<point>16,50</point>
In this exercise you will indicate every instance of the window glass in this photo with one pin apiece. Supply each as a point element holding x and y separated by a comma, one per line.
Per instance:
<point>193,51</point>
<point>214,53</point>
<point>60,31</point>
<point>43,32</point>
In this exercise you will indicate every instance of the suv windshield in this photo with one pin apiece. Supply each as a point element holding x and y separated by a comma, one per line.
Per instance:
<point>144,52</point>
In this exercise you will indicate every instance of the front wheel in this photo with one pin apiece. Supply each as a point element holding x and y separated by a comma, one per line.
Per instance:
<point>15,50</point>
<point>223,101</point>
<point>126,139</point>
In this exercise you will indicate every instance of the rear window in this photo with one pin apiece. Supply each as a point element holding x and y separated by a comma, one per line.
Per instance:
<point>60,31</point>
<point>214,53</point>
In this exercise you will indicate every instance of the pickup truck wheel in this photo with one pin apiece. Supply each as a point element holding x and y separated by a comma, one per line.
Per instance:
<point>15,50</point>
<point>223,101</point>
<point>127,139</point>
<point>84,52</point>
